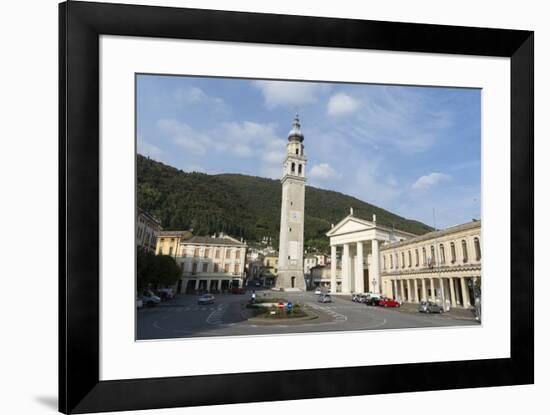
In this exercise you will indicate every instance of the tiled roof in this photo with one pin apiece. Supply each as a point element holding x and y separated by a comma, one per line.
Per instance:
<point>208,240</point>
<point>175,234</point>
<point>435,234</point>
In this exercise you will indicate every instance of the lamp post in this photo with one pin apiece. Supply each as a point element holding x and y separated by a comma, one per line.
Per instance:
<point>373,285</point>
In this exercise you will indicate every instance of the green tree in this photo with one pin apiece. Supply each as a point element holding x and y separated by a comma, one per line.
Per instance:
<point>155,271</point>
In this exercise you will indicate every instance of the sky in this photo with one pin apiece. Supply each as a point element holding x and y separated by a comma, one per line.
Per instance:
<point>406,149</point>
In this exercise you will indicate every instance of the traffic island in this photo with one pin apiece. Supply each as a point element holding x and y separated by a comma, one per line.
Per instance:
<point>277,311</point>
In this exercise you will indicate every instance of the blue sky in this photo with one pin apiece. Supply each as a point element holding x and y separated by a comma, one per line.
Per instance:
<point>404,149</point>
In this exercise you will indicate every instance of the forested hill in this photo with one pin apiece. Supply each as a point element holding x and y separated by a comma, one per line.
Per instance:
<point>244,206</point>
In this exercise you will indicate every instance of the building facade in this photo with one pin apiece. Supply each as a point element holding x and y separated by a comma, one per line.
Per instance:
<point>442,266</point>
<point>147,229</point>
<point>211,263</point>
<point>355,244</point>
<point>168,242</point>
<point>290,275</point>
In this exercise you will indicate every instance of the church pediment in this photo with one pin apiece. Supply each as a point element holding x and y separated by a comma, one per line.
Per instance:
<point>350,224</point>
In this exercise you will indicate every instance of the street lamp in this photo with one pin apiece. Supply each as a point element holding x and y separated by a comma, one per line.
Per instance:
<point>373,285</point>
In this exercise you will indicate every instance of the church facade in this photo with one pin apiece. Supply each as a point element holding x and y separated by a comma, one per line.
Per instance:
<point>290,274</point>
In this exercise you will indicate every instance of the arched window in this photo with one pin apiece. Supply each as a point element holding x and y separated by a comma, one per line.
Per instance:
<point>464,251</point>
<point>478,249</point>
<point>292,167</point>
<point>297,151</point>
<point>441,254</point>
<point>432,255</point>
<point>453,253</point>
<point>402,259</point>
<point>424,256</point>
<point>410,259</point>
<point>384,261</point>
<point>194,268</point>
<point>299,169</point>
<point>396,261</point>
<point>391,261</point>
<point>416,256</point>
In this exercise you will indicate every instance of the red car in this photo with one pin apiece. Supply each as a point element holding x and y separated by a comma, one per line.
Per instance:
<point>387,302</point>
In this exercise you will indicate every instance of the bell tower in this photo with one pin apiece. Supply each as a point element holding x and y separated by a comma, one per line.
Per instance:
<point>290,275</point>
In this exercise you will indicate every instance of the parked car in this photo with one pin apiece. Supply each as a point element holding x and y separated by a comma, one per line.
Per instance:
<point>430,307</point>
<point>206,299</point>
<point>165,293</point>
<point>238,290</point>
<point>372,300</point>
<point>355,297</point>
<point>318,291</point>
<point>388,302</point>
<point>325,298</point>
<point>150,299</point>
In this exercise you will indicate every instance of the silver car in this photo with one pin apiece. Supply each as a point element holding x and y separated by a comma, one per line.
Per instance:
<point>325,298</point>
<point>206,299</point>
<point>430,307</point>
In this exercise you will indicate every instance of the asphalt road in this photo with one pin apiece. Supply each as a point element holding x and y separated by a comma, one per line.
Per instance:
<point>183,317</point>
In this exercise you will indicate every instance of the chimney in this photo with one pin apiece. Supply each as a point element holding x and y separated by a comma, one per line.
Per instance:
<point>374,218</point>
<point>351,211</point>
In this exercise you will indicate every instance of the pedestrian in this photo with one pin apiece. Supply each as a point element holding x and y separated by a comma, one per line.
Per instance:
<point>253,296</point>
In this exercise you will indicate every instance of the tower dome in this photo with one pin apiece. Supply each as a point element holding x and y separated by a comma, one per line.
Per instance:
<point>295,133</point>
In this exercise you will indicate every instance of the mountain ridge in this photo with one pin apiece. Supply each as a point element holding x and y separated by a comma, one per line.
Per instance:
<point>246,206</point>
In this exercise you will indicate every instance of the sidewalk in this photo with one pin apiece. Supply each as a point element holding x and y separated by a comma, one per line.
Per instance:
<point>455,313</point>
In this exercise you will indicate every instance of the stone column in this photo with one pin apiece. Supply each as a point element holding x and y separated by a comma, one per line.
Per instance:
<point>432,288</point>
<point>402,290</point>
<point>333,268</point>
<point>208,285</point>
<point>197,284</point>
<point>424,294</point>
<point>416,300</point>
<point>452,288</point>
<point>346,276</point>
<point>359,280</point>
<point>375,266</point>
<point>394,286</point>
<point>409,296</point>
<point>465,296</point>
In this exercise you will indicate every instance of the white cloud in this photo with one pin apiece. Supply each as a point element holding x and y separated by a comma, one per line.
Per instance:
<point>288,94</point>
<point>341,104</point>
<point>195,95</point>
<point>185,136</point>
<point>430,180</point>
<point>147,149</point>
<point>323,171</point>
<point>399,118</point>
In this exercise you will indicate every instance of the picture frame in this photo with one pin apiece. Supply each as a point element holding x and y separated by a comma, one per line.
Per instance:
<point>81,25</point>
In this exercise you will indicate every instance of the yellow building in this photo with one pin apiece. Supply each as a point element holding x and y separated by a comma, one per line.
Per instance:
<point>271,263</point>
<point>443,265</point>
<point>169,241</point>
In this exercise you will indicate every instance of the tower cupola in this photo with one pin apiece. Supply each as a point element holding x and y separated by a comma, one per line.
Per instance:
<point>295,133</point>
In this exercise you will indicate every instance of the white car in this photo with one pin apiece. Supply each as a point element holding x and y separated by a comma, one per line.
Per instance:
<point>318,291</point>
<point>150,299</point>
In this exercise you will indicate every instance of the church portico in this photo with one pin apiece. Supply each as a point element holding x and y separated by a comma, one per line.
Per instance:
<point>358,242</point>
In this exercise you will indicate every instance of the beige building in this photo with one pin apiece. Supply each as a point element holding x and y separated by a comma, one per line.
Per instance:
<point>169,241</point>
<point>147,229</point>
<point>442,266</point>
<point>211,263</point>
<point>321,277</point>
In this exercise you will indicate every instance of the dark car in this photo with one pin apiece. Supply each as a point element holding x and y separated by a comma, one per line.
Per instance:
<point>372,301</point>
<point>430,307</point>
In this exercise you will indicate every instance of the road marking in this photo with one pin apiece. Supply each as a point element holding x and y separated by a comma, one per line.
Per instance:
<point>215,317</point>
